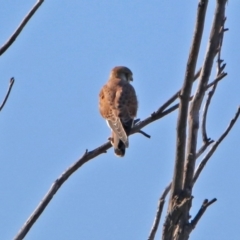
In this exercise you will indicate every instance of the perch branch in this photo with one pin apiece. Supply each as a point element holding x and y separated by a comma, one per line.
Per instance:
<point>11,82</point>
<point>20,27</point>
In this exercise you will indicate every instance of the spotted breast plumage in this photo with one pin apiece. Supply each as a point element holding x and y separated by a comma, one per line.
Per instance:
<point>118,105</point>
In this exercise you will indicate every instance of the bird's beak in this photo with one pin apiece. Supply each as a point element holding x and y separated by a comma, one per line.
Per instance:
<point>131,79</point>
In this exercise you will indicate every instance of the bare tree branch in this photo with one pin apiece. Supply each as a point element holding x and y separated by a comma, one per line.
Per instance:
<point>201,211</point>
<point>214,147</point>
<point>184,100</point>
<point>20,28</point>
<point>203,148</point>
<point>11,82</point>
<point>159,212</point>
<point>198,97</point>
<point>144,134</point>
<point>205,110</point>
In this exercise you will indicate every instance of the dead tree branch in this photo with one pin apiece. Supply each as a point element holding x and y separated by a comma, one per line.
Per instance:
<point>20,28</point>
<point>201,211</point>
<point>184,101</point>
<point>198,97</point>
<point>11,82</point>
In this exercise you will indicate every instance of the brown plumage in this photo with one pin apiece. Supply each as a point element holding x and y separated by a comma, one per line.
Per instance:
<point>118,105</point>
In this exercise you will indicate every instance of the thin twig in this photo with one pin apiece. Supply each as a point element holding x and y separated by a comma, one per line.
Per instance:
<point>159,212</point>
<point>214,147</point>
<point>11,82</point>
<point>207,104</point>
<point>201,211</point>
<point>220,75</point>
<point>203,148</point>
<point>144,134</point>
<point>216,80</point>
<point>20,27</point>
<point>205,110</point>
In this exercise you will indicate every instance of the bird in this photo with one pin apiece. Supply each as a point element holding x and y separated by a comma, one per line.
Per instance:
<point>118,104</point>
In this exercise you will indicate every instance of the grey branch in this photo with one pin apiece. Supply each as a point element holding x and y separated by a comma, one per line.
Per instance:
<point>144,134</point>
<point>214,147</point>
<point>11,82</point>
<point>184,101</point>
<point>20,28</point>
<point>212,49</point>
<point>159,212</point>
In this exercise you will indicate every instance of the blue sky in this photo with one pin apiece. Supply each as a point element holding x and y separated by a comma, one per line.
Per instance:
<point>60,61</point>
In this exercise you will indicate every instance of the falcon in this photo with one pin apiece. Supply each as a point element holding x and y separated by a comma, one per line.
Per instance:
<point>118,105</point>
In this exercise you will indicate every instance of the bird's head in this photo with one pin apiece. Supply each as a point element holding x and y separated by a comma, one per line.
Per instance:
<point>122,72</point>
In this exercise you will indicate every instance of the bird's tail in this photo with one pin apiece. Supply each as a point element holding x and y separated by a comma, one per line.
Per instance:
<point>119,131</point>
<point>118,145</point>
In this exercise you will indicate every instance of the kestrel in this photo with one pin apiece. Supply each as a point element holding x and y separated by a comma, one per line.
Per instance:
<point>118,105</point>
